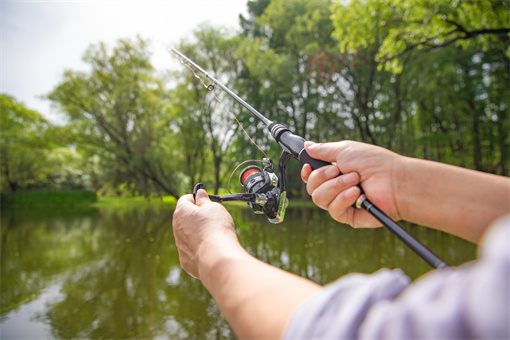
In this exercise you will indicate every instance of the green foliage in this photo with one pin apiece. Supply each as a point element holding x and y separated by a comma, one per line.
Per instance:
<point>204,125</point>
<point>447,60</point>
<point>422,25</point>
<point>423,78</point>
<point>48,198</point>
<point>118,112</point>
<point>282,69</point>
<point>36,154</point>
<point>443,103</point>
<point>249,25</point>
<point>26,143</point>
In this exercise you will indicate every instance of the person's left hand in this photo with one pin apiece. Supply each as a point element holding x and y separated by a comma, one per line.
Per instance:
<point>200,228</point>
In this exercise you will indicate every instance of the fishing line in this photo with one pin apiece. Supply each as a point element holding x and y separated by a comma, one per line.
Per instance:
<point>237,167</point>
<point>210,88</point>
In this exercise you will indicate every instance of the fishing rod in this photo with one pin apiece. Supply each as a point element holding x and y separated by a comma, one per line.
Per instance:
<point>266,193</point>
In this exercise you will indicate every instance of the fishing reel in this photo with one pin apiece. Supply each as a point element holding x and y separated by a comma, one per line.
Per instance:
<point>264,192</point>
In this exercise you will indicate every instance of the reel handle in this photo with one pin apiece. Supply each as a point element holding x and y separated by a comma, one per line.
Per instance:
<point>249,198</point>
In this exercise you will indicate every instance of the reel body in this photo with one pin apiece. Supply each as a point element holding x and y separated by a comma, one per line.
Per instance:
<point>264,192</point>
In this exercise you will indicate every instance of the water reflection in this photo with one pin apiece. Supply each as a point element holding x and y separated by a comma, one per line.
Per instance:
<point>312,245</point>
<point>115,273</point>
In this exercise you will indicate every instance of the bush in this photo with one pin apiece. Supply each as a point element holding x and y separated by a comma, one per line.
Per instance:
<point>39,198</point>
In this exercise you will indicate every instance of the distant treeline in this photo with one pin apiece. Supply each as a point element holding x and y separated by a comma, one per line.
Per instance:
<point>47,198</point>
<point>427,79</point>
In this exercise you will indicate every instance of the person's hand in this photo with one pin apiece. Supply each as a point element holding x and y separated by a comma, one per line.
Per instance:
<point>374,167</point>
<point>200,228</point>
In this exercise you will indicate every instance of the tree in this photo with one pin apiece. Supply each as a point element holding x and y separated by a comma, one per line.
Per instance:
<point>279,65</point>
<point>187,106</point>
<point>24,147</point>
<point>118,111</point>
<point>249,25</point>
<point>204,115</point>
<point>449,70</point>
<point>423,25</point>
<point>435,24</point>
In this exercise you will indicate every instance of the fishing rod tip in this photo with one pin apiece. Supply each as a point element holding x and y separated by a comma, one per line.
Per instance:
<point>165,45</point>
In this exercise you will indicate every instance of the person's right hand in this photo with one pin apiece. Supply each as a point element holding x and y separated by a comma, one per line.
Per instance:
<point>358,163</point>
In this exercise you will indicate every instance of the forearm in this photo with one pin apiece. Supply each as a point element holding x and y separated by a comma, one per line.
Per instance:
<point>257,299</point>
<point>459,201</point>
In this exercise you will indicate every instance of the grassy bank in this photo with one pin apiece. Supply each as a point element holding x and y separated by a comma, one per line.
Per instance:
<point>140,201</point>
<point>45,198</point>
<point>74,198</point>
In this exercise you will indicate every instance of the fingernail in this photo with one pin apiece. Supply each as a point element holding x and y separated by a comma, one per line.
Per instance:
<point>351,178</point>
<point>332,171</point>
<point>201,196</point>
<point>351,194</point>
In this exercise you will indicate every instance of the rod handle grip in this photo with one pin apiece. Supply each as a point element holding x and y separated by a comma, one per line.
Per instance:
<point>304,158</point>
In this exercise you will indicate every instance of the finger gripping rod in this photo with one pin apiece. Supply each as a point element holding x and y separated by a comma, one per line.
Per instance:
<point>295,145</point>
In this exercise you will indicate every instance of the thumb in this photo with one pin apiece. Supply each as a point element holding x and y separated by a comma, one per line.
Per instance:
<point>324,151</point>
<point>201,197</point>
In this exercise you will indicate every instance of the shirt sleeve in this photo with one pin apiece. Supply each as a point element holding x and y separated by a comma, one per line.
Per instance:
<point>472,301</point>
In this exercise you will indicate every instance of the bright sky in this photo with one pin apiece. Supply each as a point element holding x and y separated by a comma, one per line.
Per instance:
<point>41,39</point>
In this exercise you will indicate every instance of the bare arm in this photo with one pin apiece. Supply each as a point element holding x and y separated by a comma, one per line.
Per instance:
<point>456,200</point>
<point>256,298</point>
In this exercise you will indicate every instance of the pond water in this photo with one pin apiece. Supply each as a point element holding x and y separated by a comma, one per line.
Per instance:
<point>114,273</point>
